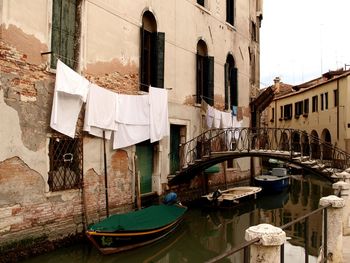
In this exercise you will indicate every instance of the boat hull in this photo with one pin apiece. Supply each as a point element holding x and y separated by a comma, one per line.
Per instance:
<point>117,241</point>
<point>272,184</point>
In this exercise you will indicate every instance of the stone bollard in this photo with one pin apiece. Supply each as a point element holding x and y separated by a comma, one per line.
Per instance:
<point>334,227</point>
<point>267,250</point>
<point>344,189</point>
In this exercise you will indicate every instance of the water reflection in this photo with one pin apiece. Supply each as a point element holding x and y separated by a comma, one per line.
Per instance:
<point>208,233</point>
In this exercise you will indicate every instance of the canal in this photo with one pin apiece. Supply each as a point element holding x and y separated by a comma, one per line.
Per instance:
<point>207,233</point>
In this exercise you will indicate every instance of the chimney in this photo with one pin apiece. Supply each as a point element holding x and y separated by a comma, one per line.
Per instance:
<point>277,84</point>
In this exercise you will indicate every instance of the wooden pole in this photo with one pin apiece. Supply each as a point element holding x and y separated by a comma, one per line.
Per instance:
<point>137,184</point>
<point>105,166</point>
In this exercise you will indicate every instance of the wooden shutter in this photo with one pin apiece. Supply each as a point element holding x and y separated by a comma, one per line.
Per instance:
<point>208,92</point>
<point>233,87</point>
<point>199,81</point>
<point>63,31</point>
<point>142,58</point>
<point>158,63</point>
<point>227,83</point>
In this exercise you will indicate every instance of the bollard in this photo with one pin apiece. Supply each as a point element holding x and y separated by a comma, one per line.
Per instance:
<point>334,227</point>
<point>343,189</point>
<point>267,250</point>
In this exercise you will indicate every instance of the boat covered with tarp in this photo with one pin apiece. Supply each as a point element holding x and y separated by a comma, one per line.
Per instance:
<point>126,231</point>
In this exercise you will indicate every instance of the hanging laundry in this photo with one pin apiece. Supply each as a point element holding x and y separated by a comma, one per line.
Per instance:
<point>70,82</point>
<point>234,110</point>
<point>70,92</point>
<point>226,120</point>
<point>128,135</point>
<point>209,117</point>
<point>101,111</point>
<point>133,109</point>
<point>217,118</point>
<point>159,120</point>
<point>237,124</point>
<point>133,117</point>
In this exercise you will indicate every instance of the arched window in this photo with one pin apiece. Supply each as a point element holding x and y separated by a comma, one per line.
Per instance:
<point>204,74</point>
<point>231,83</point>
<point>152,53</point>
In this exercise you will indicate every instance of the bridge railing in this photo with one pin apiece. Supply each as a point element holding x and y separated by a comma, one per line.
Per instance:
<point>295,143</point>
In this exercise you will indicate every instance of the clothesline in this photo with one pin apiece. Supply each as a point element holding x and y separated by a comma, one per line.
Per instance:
<point>74,60</point>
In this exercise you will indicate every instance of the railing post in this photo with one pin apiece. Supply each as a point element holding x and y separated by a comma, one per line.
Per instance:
<point>342,189</point>
<point>334,228</point>
<point>267,250</point>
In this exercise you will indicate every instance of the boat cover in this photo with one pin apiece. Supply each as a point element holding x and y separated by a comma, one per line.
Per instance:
<point>152,217</point>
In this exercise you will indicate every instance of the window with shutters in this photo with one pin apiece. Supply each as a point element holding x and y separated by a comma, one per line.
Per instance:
<point>152,54</point>
<point>306,107</point>
<point>63,31</point>
<point>288,111</point>
<point>315,103</point>
<point>231,84</point>
<point>336,97</point>
<point>230,11</point>
<point>298,109</point>
<point>66,163</point>
<point>204,74</point>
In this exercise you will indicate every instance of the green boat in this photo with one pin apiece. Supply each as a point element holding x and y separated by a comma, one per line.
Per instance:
<point>122,232</point>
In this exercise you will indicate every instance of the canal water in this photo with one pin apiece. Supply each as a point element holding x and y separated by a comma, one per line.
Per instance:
<point>206,233</point>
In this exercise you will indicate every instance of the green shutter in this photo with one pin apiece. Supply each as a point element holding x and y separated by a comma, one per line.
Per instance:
<point>234,87</point>
<point>227,82</point>
<point>208,92</point>
<point>159,59</point>
<point>63,31</point>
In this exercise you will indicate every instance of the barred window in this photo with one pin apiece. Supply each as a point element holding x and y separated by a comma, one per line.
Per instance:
<point>66,163</point>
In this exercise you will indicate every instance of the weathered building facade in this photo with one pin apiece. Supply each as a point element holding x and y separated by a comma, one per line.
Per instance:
<point>319,107</point>
<point>52,185</point>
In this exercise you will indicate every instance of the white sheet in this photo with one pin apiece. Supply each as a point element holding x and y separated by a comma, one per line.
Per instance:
<point>128,135</point>
<point>159,120</point>
<point>209,117</point>
<point>217,118</point>
<point>133,109</point>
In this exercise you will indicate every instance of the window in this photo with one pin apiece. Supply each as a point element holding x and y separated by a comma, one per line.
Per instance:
<point>298,106</point>
<point>65,163</point>
<point>152,54</point>
<point>281,113</point>
<point>230,164</point>
<point>288,111</point>
<point>201,2</point>
<point>326,100</point>
<point>315,104</point>
<point>322,102</point>
<point>272,115</point>
<point>336,98</point>
<point>231,84</point>
<point>230,11</point>
<point>306,107</point>
<point>204,74</point>
<point>63,32</point>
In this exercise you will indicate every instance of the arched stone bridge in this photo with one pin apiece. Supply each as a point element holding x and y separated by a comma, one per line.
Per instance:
<point>289,145</point>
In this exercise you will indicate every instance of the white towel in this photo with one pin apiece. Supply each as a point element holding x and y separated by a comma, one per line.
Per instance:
<point>133,109</point>
<point>65,113</point>
<point>236,124</point>
<point>128,135</point>
<point>210,117</point>
<point>217,118</point>
<point>71,82</point>
<point>100,113</point>
<point>159,120</point>
<point>226,119</point>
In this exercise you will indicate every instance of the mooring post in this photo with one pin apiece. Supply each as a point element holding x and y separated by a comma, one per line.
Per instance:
<point>267,249</point>
<point>334,228</point>
<point>342,189</point>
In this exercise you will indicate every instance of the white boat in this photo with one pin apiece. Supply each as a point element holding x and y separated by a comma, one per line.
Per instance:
<point>232,195</point>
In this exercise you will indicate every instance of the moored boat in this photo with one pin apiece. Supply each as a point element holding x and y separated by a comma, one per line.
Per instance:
<point>232,195</point>
<point>126,231</point>
<point>274,183</point>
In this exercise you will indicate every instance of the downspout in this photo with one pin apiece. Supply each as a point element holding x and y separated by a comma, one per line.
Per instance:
<point>338,117</point>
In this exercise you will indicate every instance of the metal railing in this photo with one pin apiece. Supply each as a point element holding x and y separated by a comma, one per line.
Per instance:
<point>291,145</point>
<point>246,245</point>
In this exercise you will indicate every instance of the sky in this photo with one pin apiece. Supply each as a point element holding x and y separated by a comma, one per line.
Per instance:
<point>301,39</point>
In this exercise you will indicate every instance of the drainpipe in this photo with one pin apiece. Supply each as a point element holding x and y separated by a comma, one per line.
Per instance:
<point>338,109</point>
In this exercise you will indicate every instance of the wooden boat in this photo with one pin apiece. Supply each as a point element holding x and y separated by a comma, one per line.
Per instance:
<point>232,195</point>
<point>274,183</point>
<point>134,229</point>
